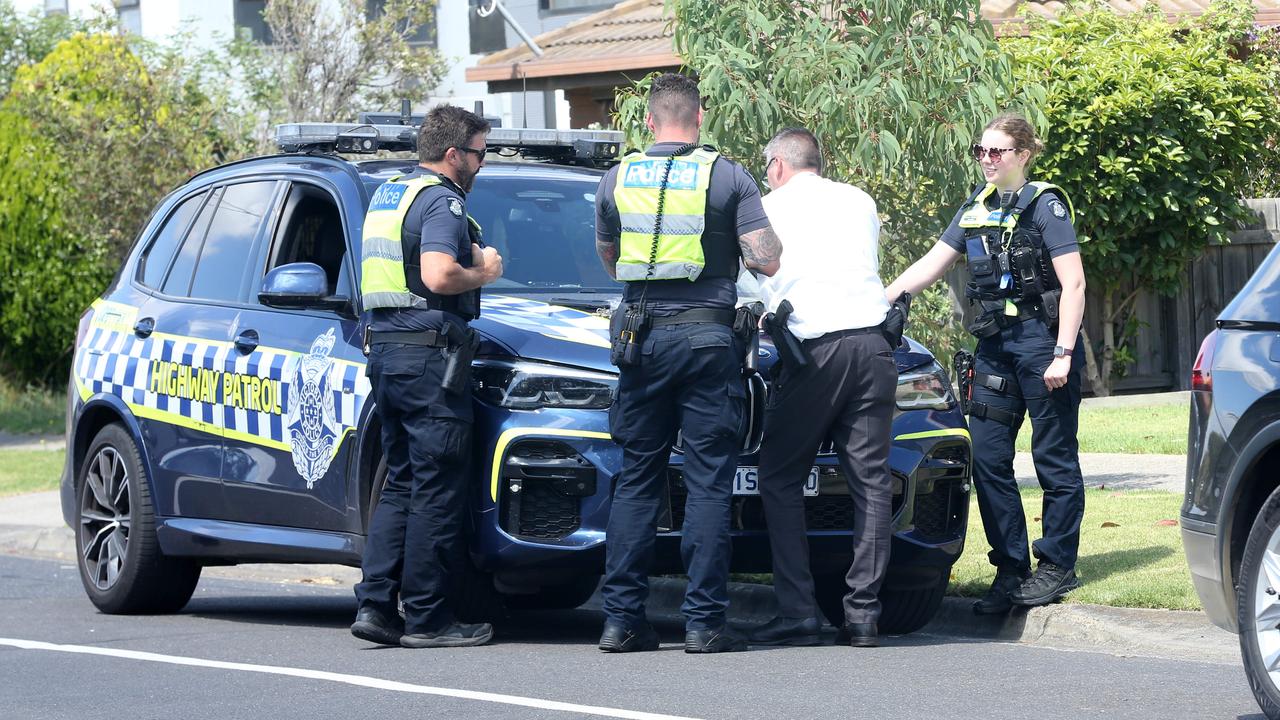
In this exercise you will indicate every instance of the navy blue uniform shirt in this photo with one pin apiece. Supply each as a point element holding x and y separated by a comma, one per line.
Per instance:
<point>733,209</point>
<point>436,222</point>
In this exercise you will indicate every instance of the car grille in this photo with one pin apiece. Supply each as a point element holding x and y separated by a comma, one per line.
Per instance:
<point>542,485</point>
<point>941,512</point>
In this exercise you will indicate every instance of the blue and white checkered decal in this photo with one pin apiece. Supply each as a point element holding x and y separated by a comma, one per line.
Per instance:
<point>286,400</point>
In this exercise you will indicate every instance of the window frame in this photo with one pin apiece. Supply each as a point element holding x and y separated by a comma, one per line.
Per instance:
<point>238,22</point>
<point>149,245</point>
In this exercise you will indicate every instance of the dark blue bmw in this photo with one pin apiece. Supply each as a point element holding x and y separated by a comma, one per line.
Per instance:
<point>218,411</point>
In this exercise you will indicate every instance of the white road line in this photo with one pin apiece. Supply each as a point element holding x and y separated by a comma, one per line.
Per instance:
<point>359,680</point>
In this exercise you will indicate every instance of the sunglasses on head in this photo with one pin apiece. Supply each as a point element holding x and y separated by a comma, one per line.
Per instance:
<point>994,153</point>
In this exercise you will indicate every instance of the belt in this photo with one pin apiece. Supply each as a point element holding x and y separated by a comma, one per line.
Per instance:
<point>696,315</point>
<point>425,338</point>
<point>837,334</point>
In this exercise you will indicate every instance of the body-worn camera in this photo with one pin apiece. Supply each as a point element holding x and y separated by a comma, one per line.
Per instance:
<point>627,328</point>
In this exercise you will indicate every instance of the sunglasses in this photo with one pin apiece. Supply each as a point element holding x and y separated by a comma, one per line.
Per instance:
<point>477,153</point>
<point>995,154</point>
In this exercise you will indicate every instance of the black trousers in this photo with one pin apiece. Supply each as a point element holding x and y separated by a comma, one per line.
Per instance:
<point>1020,354</point>
<point>415,549</point>
<point>846,394</point>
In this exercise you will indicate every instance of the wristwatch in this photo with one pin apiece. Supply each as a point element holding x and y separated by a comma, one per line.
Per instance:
<point>1059,351</point>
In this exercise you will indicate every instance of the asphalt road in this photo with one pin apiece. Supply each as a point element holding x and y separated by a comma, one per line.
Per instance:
<point>281,651</point>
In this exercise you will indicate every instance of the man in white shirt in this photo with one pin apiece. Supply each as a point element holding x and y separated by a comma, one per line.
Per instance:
<point>830,275</point>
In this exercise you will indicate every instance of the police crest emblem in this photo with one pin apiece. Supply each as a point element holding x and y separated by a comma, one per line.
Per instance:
<point>455,206</point>
<point>311,419</point>
<point>1059,210</point>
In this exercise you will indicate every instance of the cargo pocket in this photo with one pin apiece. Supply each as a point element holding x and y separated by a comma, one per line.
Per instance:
<point>703,341</point>
<point>734,417</point>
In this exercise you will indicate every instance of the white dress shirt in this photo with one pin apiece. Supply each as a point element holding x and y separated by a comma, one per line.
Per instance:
<point>830,269</point>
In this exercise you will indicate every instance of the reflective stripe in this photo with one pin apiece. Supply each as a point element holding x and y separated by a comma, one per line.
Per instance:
<point>978,215</point>
<point>671,224</point>
<point>661,271</point>
<point>395,299</point>
<point>679,253</point>
<point>382,278</point>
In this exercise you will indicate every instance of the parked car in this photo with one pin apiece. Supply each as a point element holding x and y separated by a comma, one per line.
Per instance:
<point>218,411</point>
<point>1231,513</point>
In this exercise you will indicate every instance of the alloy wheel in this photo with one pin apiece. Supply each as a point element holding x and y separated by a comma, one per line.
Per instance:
<point>105,518</point>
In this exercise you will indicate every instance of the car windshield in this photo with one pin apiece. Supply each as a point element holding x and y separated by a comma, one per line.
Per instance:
<point>545,230</point>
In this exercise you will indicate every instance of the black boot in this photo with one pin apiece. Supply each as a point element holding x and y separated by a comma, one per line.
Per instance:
<point>618,638</point>
<point>859,635</point>
<point>787,631</point>
<point>1051,582</point>
<point>377,627</point>
<point>996,601</point>
<point>722,639</point>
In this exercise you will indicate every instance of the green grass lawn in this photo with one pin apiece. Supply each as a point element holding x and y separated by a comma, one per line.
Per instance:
<point>1159,429</point>
<point>24,471</point>
<point>31,411</point>
<point>1138,563</point>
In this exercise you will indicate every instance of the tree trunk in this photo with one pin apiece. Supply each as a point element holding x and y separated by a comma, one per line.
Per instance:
<point>1108,343</point>
<point>1091,366</point>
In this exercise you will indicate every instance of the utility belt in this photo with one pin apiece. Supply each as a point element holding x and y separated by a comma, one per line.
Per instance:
<point>966,377</point>
<point>630,324</point>
<point>795,352</point>
<point>459,343</point>
<point>994,318</point>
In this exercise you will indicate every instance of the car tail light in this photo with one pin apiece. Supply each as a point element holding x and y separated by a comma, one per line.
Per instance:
<point>1202,371</point>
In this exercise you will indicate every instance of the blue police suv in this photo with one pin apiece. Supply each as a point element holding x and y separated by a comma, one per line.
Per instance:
<point>218,411</point>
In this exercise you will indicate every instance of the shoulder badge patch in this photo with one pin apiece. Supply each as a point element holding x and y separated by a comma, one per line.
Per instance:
<point>1059,210</point>
<point>455,206</point>
<point>311,417</point>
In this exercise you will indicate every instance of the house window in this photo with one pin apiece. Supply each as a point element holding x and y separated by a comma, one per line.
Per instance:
<point>53,7</point>
<point>573,5</point>
<point>250,25</point>
<point>424,35</point>
<point>128,11</point>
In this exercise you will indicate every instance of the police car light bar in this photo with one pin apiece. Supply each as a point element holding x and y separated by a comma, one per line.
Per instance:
<point>568,146</point>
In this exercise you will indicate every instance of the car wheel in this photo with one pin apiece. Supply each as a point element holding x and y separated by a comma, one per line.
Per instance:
<point>903,609</point>
<point>121,565</point>
<point>557,597</point>
<point>1258,607</point>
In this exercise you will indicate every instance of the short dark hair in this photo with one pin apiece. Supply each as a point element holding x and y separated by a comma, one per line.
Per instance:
<point>447,126</point>
<point>674,101</point>
<point>797,147</point>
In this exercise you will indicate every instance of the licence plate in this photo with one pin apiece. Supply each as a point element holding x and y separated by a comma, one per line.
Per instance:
<point>747,482</point>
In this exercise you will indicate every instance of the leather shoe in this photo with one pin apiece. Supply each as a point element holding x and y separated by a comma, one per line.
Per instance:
<point>618,638</point>
<point>996,601</point>
<point>452,635</point>
<point>859,635</point>
<point>375,627</point>
<point>793,631</point>
<point>719,640</point>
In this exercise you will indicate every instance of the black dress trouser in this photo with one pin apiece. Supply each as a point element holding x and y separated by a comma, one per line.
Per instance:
<point>846,394</point>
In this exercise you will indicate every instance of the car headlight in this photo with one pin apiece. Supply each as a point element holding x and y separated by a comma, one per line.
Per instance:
<point>533,386</point>
<point>925,388</point>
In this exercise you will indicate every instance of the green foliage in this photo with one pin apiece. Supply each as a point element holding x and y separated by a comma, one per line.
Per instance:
<point>32,410</point>
<point>324,66</point>
<point>895,92</point>
<point>26,38</point>
<point>90,137</point>
<point>1151,128</point>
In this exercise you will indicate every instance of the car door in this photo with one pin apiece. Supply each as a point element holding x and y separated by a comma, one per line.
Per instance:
<point>291,468</point>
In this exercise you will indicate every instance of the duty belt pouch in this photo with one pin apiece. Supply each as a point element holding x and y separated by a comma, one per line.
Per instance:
<point>461,350</point>
<point>746,327</point>
<point>628,327</point>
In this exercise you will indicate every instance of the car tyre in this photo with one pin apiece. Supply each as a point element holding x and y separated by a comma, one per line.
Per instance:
<point>1258,607</point>
<point>904,608</point>
<point>121,565</point>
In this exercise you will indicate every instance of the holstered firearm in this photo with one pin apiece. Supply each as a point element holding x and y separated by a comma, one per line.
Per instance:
<point>895,321</point>
<point>461,350</point>
<point>790,349</point>
<point>746,327</point>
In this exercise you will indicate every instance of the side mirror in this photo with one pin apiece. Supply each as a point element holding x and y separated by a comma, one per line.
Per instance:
<point>300,285</point>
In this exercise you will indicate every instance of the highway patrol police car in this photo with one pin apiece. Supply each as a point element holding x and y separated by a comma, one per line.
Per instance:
<point>218,410</point>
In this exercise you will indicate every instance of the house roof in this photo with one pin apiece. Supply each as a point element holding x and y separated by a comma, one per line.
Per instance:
<point>634,36</point>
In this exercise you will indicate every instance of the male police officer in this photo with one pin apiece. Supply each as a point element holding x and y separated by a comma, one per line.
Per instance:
<point>845,391</point>
<point>422,268</point>
<point>672,223</point>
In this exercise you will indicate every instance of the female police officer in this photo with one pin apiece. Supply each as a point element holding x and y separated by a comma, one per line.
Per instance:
<point>1027,285</point>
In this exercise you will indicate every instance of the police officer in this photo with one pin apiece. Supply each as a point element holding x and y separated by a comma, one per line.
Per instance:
<point>422,268</point>
<point>672,223</point>
<point>844,391</point>
<point>1027,283</point>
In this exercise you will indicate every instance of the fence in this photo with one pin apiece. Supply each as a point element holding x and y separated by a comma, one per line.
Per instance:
<point>1171,328</point>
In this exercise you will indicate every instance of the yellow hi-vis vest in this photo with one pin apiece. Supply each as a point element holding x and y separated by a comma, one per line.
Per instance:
<point>383,282</point>
<point>976,215</point>
<point>679,253</point>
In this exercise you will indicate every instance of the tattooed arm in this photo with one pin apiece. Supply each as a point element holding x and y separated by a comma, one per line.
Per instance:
<point>761,250</point>
<point>608,252</point>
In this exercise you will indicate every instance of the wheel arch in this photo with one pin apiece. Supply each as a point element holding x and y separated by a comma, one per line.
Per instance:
<point>369,453</point>
<point>1255,475</point>
<point>98,412</point>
